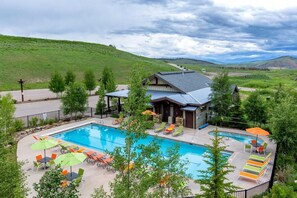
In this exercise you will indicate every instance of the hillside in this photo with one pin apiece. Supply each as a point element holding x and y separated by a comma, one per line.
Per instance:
<point>35,59</point>
<point>283,62</point>
<point>187,61</point>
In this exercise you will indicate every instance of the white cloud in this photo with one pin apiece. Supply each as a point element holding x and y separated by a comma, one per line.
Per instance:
<point>272,5</point>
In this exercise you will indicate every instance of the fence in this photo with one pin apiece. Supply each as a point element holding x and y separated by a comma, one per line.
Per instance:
<point>59,115</point>
<point>256,190</point>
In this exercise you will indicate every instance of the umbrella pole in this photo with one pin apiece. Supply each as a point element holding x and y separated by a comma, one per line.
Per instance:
<point>71,173</point>
<point>256,141</point>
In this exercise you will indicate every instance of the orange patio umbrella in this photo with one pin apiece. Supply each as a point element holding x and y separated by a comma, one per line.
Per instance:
<point>148,112</point>
<point>257,131</point>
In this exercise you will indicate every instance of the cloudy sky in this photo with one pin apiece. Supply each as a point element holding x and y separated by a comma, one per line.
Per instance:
<point>218,30</point>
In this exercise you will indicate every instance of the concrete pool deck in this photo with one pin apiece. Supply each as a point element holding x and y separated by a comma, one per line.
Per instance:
<point>94,177</point>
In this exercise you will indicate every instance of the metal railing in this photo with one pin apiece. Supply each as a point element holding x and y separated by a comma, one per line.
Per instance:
<point>59,115</point>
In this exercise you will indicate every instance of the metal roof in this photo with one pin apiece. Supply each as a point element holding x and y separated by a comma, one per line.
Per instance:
<point>189,108</point>
<point>185,81</point>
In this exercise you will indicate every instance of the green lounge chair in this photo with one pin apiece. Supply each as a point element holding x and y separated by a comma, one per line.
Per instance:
<point>161,127</point>
<point>259,158</point>
<point>178,131</point>
<point>254,169</point>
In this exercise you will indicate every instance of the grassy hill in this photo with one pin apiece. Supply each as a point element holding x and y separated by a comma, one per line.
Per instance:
<point>187,61</point>
<point>35,59</point>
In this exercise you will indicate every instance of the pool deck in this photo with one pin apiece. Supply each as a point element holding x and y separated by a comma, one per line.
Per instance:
<point>95,177</point>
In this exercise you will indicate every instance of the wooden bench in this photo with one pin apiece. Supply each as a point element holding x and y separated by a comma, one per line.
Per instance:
<point>203,126</point>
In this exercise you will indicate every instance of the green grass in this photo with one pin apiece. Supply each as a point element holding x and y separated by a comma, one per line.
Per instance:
<point>256,78</point>
<point>35,59</point>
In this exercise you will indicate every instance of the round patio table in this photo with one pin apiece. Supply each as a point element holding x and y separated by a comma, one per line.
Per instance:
<point>71,176</point>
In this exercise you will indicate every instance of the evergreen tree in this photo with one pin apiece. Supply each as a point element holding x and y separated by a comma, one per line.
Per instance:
<point>90,80</point>
<point>108,79</point>
<point>237,119</point>
<point>221,96</point>
<point>213,180</point>
<point>57,84</point>
<point>69,77</point>
<point>111,86</point>
<point>255,108</point>
<point>105,76</point>
<point>75,99</point>
<point>101,106</point>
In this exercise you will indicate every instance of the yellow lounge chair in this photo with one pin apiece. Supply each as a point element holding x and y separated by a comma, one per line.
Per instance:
<point>161,127</point>
<point>256,163</point>
<point>251,176</point>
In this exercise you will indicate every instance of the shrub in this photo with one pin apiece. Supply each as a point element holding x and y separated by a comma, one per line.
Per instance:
<point>18,125</point>
<point>282,190</point>
<point>33,122</point>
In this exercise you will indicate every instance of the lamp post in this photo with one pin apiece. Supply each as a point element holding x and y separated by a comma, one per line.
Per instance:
<point>21,81</point>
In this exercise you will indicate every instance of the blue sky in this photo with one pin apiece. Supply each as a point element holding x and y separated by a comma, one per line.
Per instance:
<point>220,30</point>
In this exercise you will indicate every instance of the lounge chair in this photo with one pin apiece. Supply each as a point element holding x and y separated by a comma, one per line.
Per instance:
<point>118,120</point>
<point>260,149</point>
<point>258,164</point>
<point>161,127</point>
<point>251,176</point>
<point>169,129</point>
<point>178,131</point>
<point>254,169</point>
<point>259,158</point>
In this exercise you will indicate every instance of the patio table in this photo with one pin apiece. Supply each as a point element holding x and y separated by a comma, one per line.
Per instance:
<point>45,160</point>
<point>71,176</point>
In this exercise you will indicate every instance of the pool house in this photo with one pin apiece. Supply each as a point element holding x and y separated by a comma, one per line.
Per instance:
<point>180,96</point>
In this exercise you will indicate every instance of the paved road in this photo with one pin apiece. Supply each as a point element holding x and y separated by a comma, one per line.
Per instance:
<point>31,108</point>
<point>41,94</point>
<point>23,109</point>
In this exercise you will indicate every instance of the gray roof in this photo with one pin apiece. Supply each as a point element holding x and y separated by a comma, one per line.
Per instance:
<point>194,88</point>
<point>184,81</point>
<point>189,108</point>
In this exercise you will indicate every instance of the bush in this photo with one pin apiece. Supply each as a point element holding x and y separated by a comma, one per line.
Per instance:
<point>18,125</point>
<point>282,190</point>
<point>114,115</point>
<point>33,122</point>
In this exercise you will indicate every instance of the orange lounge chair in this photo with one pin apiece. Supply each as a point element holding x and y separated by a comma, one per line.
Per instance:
<point>41,138</point>
<point>169,129</point>
<point>118,121</point>
<point>256,163</point>
<point>251,176</point>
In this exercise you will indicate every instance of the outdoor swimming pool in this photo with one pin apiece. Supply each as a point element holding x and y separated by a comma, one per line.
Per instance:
<point>104,138</point>
<point>238,137</point>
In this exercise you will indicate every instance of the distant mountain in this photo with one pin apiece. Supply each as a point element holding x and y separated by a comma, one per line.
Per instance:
<point>189,61</point>
<point>283,62</point>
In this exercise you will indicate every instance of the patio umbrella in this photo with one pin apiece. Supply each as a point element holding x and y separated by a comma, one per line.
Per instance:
<point>44,144</point>
<point>70,159</point>
<point>148,112</point>
<point>257,131</point>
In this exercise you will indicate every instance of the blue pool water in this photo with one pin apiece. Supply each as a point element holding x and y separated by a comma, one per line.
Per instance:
<point>104,138</point>
<point>238,137</point>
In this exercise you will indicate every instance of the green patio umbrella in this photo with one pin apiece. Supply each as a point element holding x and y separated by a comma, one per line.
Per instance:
<point>44,144</point>
<point>70,159</point>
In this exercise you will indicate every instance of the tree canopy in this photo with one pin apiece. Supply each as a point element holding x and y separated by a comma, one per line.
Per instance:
<point>7,110</point>
<point>221,96</point>
<point>75,99</point>
<point>90,80</point>
<point>255,108</point>
<point>69,77</point>
<point>57,84</point>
